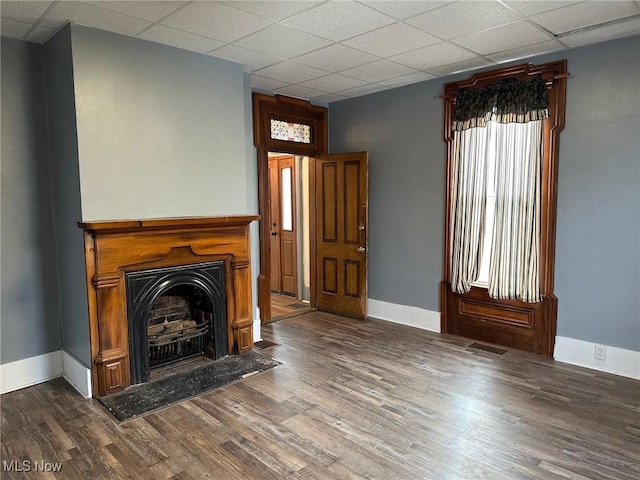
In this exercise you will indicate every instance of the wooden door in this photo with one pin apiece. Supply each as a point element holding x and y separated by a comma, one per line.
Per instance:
<point>284,266</point>
<point>341,233</point>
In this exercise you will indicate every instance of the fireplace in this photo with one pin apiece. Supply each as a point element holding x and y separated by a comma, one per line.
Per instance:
<point>175,313</point>
<point>131,264</point>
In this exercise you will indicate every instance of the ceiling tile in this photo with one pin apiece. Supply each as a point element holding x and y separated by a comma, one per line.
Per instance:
<point>300,91</point>
<point>250,59</point>
<point>271,9</point>
<point>177,38</point>
<point>27,12</point>
<point>364,90</point>
<point>268,84</point>
<point>584,14</point>
<point>332,97</point>
<point>529,7</point>
<point>619,30</point>
<point>333,83</point>
<point>215,20</point>
<point>40,34</point>
<point>335,58</point>
<point>391,40</point>
<point>462,18</point>
<point>282,41</point>
<point>13,28</point>
<point>434,56</point>
<point>524,52</point>
<point>402,9</point>
<point>406,79</point>
<point>376,71</point>
<point>93,16</point>
<point>460,67</point>
<point>338,20</point>
<point>291,72</point>
<point>147,10</point>
<point>498,39</point>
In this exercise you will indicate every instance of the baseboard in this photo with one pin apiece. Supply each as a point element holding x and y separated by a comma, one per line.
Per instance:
<point>617,360</point>
<point>257,334</point>
<point>404,315</point>
<point>78,376</point>
<point>30,371</point>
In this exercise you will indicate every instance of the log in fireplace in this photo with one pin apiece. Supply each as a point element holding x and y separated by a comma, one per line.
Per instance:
<point>132,264</point>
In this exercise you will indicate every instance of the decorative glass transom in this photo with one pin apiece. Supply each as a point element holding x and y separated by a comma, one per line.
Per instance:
<point>290,132</point>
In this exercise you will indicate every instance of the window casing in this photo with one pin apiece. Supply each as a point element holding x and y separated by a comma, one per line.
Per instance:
<point>513,323</point>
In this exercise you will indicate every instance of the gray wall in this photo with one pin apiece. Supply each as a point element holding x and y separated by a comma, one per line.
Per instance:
<point>29,289</point>
<point>161,131</point>
<point>252,192</point>
<point>598,232</point>
<point>66,196</point>
<point>402,130</point>
<point>597,247</point>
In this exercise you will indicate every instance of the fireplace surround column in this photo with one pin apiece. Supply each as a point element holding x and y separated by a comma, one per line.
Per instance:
<point>113,248</point>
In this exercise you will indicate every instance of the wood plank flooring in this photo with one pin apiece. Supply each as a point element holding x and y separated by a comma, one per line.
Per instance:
<point>285,306</point>
<point>353,399</point>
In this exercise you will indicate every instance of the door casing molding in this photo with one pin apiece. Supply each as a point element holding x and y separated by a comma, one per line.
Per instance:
<point>266,108</point>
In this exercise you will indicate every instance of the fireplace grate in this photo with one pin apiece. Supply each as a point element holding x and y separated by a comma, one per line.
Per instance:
<point>166,348</point>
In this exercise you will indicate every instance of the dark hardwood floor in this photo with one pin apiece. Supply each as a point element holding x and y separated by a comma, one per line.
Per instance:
<point>352,399</point>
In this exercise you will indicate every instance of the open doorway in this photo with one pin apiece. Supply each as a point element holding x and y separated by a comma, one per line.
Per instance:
<point>284,126</point>
<point>290,279</point>
<point>337,213</point>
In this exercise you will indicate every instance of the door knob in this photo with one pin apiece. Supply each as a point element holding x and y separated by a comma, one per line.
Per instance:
<point>273,234</point>
<point>361,249</point>
<point>361,227</point>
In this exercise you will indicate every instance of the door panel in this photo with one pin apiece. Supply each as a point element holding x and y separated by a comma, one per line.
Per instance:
<point>274,182</point>
<point>341,234</point>
<point>288,234</point>
<point>284,266</point>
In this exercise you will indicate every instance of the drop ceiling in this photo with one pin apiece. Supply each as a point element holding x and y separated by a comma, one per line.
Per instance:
<point>331,50</point>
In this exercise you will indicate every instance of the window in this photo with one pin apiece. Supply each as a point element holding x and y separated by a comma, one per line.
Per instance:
<point>497,169</point>
<point>495,200</point>
<point>290,132</point>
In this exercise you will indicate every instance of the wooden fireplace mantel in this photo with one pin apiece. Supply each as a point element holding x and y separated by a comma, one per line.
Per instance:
<point>113,248</point>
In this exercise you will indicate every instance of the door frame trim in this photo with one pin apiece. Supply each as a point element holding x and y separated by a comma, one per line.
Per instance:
<point>266,108</point>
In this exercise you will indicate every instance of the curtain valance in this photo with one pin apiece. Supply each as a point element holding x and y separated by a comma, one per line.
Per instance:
<point>506,101</point>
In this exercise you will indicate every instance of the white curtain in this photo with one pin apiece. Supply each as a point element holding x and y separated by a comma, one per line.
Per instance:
<point>467,209</point>
<point>514,261</point>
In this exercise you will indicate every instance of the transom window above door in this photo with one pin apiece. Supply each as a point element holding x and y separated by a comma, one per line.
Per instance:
<point>290,131</point>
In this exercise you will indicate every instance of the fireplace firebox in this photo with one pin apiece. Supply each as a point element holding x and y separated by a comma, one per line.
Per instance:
<point>175,313</point>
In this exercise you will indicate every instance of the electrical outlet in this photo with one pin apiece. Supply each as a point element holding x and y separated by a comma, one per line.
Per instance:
<point>600,352</point>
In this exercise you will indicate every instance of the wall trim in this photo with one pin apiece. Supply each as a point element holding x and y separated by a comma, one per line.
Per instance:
<point>42,368</point>
<point>30,371</point>
<point>257,323</point>
<point>617,360</point>
<point>78,376</point>
<point>404,315</point>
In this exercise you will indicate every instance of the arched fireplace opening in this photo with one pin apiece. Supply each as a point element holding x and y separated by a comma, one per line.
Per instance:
<point>175,313</point>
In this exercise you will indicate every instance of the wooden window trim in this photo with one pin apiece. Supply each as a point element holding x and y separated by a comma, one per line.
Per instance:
<point>539,336</point>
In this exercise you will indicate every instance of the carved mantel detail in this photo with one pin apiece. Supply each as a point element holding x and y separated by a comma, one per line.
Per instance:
<point>115,247</point>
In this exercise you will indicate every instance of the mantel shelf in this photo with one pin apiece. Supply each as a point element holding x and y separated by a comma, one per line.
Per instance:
<point>119,226</point>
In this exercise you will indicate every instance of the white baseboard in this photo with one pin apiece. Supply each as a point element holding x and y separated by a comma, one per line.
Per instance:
<point>257,334</point>
<point>617,360</point>
<point>404,315</point>
<point>30,371</point>
<point>41,368</point>
<point>78,376</point>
